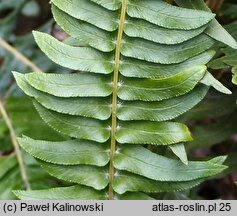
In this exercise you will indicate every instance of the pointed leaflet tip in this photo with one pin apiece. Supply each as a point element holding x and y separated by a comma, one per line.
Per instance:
<point>180,152</point>
<point>37,35</point>
<point>218,160</point>
<point>209,80</point>
<point>18,76</point>
<point>214,29</point>
<point>219,33</point>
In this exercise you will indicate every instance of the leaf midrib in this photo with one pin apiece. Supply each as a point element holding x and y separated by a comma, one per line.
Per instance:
<point>115,95</point>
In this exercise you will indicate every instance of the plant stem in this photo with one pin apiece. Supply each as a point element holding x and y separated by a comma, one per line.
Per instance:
<point>5,116</point>
<point>18,55</point>
<point>114,99</point>
<point>15,145</point>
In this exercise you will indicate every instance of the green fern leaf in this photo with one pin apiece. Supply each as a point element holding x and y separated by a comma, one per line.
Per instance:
<point>92,176</point>
<point>143,162</point>
<point>73,152</point>
<point>6,163</point>
<point>77,192</point>
<point>130,182</point>
<point>214,30</point>
<point>142,63</point>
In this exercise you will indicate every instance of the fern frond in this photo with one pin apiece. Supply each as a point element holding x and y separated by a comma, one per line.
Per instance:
<point>143,64</point>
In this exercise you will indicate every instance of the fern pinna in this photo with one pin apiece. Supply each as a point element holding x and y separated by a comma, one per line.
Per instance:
<point>142,64</point>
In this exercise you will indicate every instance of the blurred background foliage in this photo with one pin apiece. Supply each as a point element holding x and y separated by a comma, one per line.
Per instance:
<point>17,19</point>
<point>213,122</point>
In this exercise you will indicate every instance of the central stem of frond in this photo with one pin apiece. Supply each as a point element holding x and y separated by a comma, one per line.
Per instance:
<point>114,99</point>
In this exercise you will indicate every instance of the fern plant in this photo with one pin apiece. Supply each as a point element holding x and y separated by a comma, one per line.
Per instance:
<point>142,63</point>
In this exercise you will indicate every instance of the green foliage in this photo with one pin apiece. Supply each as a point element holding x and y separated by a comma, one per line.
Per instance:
<point>8,23</point>
<point>25,45</point>
<point>212,122</point>
<point>20,111</point>
<point>214,30</point>
<point>10,176</point>
<point>227,55</point>
<point>132,86</point>
<point>229,10</point>
<point>213,127</point>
